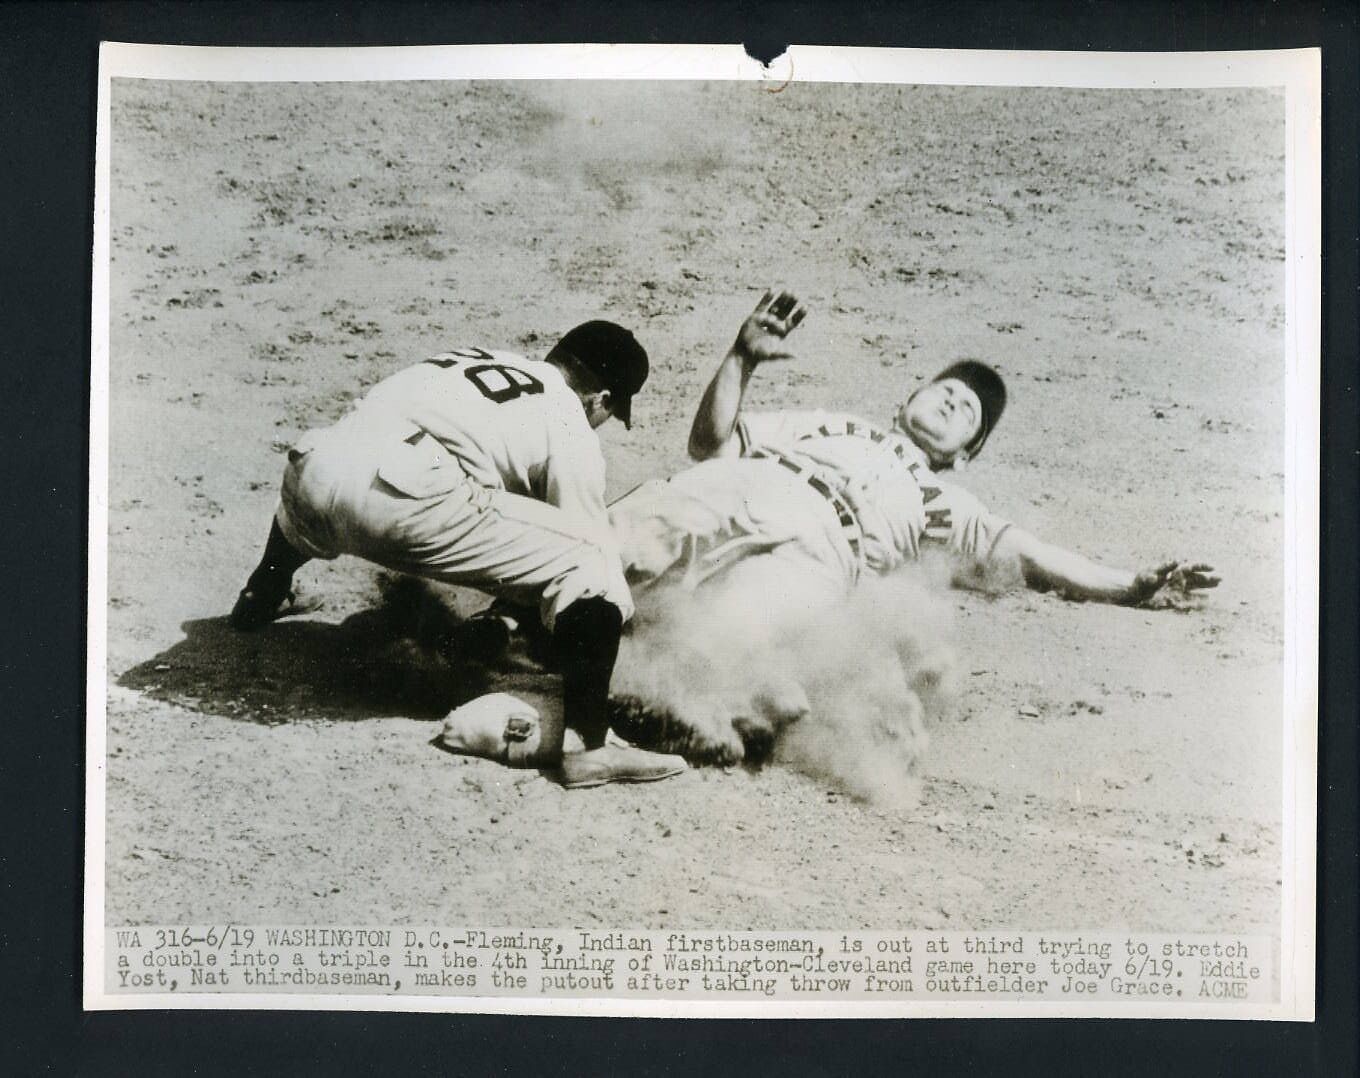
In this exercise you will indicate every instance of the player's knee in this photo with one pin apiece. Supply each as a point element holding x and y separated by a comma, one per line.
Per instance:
<point>592,573</point>
<point>591,619</point>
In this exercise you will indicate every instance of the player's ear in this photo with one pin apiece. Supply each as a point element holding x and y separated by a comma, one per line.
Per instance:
<point>606,399</point>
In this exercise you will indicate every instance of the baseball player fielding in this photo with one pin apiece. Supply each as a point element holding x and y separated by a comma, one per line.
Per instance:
<point>483,468</point>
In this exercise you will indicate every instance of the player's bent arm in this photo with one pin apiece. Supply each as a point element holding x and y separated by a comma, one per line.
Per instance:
<point>575,481</point>
<point>715,423</point>
<point>760,340</point>
<point>576,485</point>
<point>1052,568</point>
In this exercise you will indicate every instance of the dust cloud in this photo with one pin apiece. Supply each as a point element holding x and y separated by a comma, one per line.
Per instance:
<point>771,666</point>
<point>768,667</point>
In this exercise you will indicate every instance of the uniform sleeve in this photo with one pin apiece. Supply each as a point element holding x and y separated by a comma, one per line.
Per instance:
<point>574,477</point>
<point>777,430</point>
<point>574,483</point>
<point>957,520</point>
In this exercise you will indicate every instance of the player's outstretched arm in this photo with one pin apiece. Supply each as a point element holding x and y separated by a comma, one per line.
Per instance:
<point>1052,568</point>
<point>760,340</point>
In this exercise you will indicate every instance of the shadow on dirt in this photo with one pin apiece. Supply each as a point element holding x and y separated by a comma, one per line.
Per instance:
<point>368,666</point>
<point>389,660</point>
<point>306,669</point>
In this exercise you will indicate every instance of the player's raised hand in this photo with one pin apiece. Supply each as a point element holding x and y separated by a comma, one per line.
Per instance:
<point>1173,579</point>
<point>761,337</point>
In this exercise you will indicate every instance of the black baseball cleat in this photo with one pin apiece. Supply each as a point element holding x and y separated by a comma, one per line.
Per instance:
<point>256,609</point>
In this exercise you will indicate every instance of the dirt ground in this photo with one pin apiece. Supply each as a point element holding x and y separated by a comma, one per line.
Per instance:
<point>1119,255</point>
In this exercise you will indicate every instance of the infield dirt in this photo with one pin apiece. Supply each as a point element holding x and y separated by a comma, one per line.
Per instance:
<point>1119,255</point>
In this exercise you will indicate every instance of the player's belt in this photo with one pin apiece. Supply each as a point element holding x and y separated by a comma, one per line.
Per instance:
<point>850,527</point>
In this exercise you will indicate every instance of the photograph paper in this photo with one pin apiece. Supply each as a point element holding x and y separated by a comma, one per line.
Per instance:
<point>624,530</point>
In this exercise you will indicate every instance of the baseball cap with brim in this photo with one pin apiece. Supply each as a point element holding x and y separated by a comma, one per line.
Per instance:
<point>991,394</point>
<point>614,356</point>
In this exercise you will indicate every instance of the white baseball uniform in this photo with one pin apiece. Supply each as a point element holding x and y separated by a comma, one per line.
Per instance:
<point>473,467</point>
<point>826,493</point>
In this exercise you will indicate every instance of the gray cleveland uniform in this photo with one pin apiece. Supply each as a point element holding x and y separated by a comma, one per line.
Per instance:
<point>825,492</point>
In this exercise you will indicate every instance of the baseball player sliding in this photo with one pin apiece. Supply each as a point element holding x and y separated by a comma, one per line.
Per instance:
<point>834,496</point>
<point>786,511</point>
<point>483,468</point>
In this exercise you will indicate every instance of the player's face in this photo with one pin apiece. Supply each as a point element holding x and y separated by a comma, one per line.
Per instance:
<point>942,417</point>
<point>599,407</point>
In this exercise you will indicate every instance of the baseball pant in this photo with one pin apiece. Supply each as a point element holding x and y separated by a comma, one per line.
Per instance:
<point>704,522</point>
<point>412,508</point>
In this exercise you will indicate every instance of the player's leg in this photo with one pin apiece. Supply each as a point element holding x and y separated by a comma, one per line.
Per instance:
<point>752,545</point>
<point>521,548</point>
<point>691,526</point>
<point>586,645</point>
<point>587,635</point>
<point>268,593</point>
<point>296,535</point>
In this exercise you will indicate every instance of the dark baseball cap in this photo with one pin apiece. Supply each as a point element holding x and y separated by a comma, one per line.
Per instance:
<point>990,390</point>
<point>613,355</point>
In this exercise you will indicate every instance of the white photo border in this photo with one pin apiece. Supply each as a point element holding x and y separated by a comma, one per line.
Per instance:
<point>1298,71</point>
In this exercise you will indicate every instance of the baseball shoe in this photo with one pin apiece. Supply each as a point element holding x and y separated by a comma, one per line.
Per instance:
<point>255,609</point>
<point>617,763</point>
